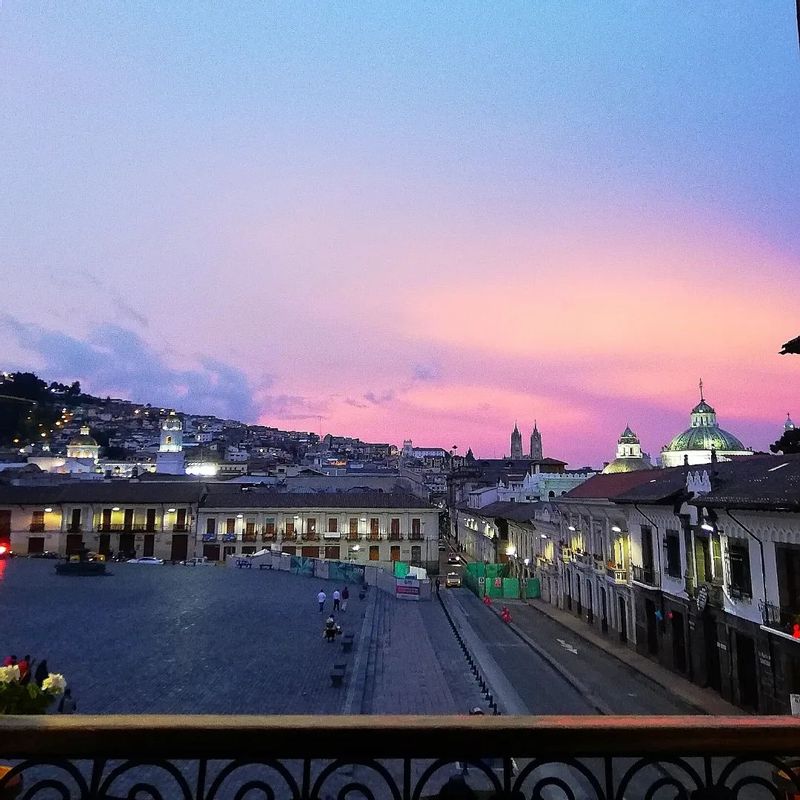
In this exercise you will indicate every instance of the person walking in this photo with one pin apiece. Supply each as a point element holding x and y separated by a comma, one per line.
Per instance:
<point>321,598</point>
<point>345,598</point>
<point>438,585</point>
<point>330,629</point>
<point>67,704</point>
<point>336,599</point>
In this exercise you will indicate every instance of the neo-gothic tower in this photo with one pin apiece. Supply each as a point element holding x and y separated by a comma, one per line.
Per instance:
<point>536,443</point>
<point>170,458</point>
<point>516,443</point>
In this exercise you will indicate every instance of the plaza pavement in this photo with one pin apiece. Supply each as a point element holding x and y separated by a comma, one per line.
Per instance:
<point>183,640</point>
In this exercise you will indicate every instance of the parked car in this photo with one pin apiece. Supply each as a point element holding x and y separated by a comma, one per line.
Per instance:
<point>454,559</point>
<point>442,547</point>
<point>146,560</point>
<point>45,554</point>
<point>453,580</point>
<point>197,562</point>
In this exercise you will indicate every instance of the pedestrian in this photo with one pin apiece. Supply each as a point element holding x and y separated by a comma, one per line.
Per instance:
<point>345,598</point>
<point>438,585</point>
<point>10,661</point>
<point>41,672</point>
<point>25,669</point>
<point>321,598</point>
<point>330,629</point>
<point>67,704</point>
<point>336,598</point>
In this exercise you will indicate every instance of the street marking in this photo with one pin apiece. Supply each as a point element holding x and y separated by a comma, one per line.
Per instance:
<point>568,646</point>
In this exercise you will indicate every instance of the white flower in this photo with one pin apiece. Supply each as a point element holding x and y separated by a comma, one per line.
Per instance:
<point>9,674</point>
<point>54,683</point>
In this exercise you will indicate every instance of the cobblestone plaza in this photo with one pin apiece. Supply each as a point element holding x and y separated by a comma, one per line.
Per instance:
<point>164,639</point>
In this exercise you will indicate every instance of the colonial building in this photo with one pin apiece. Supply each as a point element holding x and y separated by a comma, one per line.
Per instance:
<point>629,454</point>
<point>178,519</point>
<point>703,441</point>
<point>715,555</point>
<point>354,526</point>
<point>592,574</point>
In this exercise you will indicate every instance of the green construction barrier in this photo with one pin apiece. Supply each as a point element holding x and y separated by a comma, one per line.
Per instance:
<point>533,589</point>
<point>511,588</point>
<point>400,569</point>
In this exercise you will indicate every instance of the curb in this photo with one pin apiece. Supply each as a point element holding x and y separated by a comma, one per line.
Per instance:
<point>576,683</point>
<point>669,688</point>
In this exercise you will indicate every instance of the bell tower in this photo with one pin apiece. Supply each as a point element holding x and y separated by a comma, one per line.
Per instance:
<point>170,459</point>
<point>536,443</point>
<point>516,443</point>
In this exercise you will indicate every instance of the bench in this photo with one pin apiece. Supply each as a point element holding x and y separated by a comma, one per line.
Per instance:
<point>337,674</point>
<point>347,642</point>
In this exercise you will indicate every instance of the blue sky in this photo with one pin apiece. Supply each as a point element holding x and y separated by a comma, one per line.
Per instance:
<point>411,221</point>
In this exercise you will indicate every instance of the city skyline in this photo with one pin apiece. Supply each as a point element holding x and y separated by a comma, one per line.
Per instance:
<point>410,223</point>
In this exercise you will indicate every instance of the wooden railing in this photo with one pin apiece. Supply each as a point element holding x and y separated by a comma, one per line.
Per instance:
<point>402,757</point>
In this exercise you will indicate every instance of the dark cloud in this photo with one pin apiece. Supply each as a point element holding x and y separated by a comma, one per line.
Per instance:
<point>381,398</point>
<point>355,403</point>
<point>425,372</point>
<point>115,360</point>
<point>119,302</point>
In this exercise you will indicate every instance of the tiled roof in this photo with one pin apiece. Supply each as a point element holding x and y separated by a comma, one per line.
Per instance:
<point>771,483</point>
<point>102,492</point>
<point>517,512</point>
<point>258,498</point>
<point>604,487</point>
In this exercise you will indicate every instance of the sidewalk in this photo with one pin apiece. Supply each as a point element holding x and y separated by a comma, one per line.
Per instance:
<point>705,701</point>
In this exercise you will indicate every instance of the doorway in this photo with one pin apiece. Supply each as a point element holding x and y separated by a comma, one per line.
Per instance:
<point>180,546</point>
<point>74,543</point>
<point>589,602</point>
<point>149,545</point>
<point>652,629</point>
<point>678,641</point>
<point>127,544</point>
<point>623,620</point>
<point>578,597</point>
<point>713,675</point>
<point>746,671</point>
<point>104,544</point>
<point>603,611</point>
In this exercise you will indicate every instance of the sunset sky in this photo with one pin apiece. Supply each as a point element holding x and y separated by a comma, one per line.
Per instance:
<point>408,220</point>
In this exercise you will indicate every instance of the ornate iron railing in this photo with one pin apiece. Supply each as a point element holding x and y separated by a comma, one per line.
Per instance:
<point>402,758</point>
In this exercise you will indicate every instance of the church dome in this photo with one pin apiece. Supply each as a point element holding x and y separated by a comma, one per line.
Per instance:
<point>705,437</point>
<point>626,465</point>
<point>83,439</point>
<point>703,408</point>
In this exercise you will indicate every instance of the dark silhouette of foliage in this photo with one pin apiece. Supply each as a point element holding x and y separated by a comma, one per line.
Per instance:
<point>791,347</point>
<point>788,443</point>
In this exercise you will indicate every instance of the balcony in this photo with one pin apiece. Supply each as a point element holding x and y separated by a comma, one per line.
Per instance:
<point>415,537</point>
<point>645,575</point>
<point>567,555</point>
<point>395,537</point>
<point>783,620</point>
<point>331,535</point>
<point>228,537</point>
<point>268,536</point>
<point>373,537</point>
<point>74,528</point>
<point>36,527</point>
<point>616,573</point>
<point>210,537</point>
<point>583,560</point>
<point>353,536</point>
<point>105,527</point>
<point>249,537</point>
<point>289,536</point>
<point>599,562</point>
<point>180,528</point>
<point>704,758</point>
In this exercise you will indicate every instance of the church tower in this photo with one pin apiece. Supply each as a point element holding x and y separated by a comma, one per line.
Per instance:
<point>516,443</point>
<point>788,425</point>
<point>536,443</point>
<point>170,459</point>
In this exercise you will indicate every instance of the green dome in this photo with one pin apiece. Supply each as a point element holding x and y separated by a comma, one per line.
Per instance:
<point>703,408</point>
<point>705,437</point>
<point>626,465</point>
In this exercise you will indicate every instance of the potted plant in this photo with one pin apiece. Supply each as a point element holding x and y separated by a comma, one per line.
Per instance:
<point>24,698</point>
